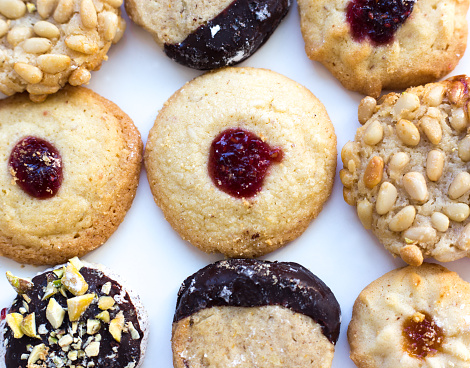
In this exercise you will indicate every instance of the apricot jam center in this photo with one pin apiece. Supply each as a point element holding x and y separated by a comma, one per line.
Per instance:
<point>239,161</point>
<point>423,336</point>
<point>36,166</point>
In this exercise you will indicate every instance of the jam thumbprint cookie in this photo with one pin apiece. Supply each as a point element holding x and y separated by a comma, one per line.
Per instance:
<point>241,160</point>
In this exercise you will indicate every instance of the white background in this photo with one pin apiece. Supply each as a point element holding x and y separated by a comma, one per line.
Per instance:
<point>145,250</point>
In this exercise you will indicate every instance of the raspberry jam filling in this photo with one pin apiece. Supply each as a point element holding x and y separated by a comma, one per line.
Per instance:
<point>378,20</point>
<point>423,336</point>
<point>3,314</point>
<point>36,166</point>
<point>239,161</point>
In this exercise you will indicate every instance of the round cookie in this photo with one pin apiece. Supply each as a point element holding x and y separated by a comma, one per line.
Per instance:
<point>408,171</point>
<point>412,317</point>
<point>281,170</point>
<point>78,314</point>
<point>372,45</point>
<point>47,43</point>
<point>70,198</point>
<point>208,34</point>
<point>254,313</point>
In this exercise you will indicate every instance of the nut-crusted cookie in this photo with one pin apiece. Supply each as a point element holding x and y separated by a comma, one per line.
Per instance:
<point>47,43</point>
<point>412,317</point>
<point>208,34</point>
<point>241,160</point>
<point>70,168</point>
<point>408,170</point>
<point>373,45</point>
<point>251,313</point>
<point>78,314</point>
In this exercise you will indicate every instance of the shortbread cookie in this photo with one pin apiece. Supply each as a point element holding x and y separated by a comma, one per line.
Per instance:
<point>77,315</point>
<point>412,317</point>
<point>70,168</point>
<point>372,45</point>
<point>250,313</point>
<point>47,43</point>
<point>208,34</point>
<point>408,171</point>
<point>241,160</point>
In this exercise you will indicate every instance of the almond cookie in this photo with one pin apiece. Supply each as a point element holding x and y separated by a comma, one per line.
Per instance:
<point>208,34</point>
<point>76,315</point>
<point>371,45</point>
<point>412,317</point>
<point>70,168</point>
<point>241,160</point>
<point>47,43</point>
<point>250,313</point>
<point>408,171</point>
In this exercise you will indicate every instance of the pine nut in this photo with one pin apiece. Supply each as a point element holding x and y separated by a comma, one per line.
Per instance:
<point>435,95</point>
<point>64,11</point>
<point>415,186</point>
<point>81,44</point>
<point>364,211</point>
<point>346,178</point>
<point>406,103</point>
<point>29,73</point>
<point>440,221</point>
<point>456,93</point>
<point>458,119</point>
<point>366,109</point>
<point>373,172</point>
<point>464,149</point>
<point>12,9</point>
<point>88,14</point>
<point>53,63</point>
<point>114,3</point>
<point>41,89</point>
<point>374,133</point>
<point>108,25</point>
<point>403,219</point>
<point>120,30</point>
<point>434,165</point>
<point>46,7</point>
<point>18,34</point>
<point>412,255</point>
<point>37,98</point>
<point>348,196</point>
<point>464,240</point>
<point>46,29</point>
<point>3,28</point>
<point>408,132</point>
<point>460,185</point>
<point>386,198</point>
<point>457,212</point>
<point>432,129</point>
<point>37,45</point>
<point>348,153</point>
<point>421,234</point>
<point>397,163</point>
<point>79,76</point>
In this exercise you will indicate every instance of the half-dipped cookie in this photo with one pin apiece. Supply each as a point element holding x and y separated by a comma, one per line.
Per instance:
<point>255,314</point>
<point>76,315</point>
<point>208,34</point>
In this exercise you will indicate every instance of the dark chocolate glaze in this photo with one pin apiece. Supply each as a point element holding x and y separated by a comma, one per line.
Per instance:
<point>127,351</point>
<point>253,283</point>
<point>232,36</point>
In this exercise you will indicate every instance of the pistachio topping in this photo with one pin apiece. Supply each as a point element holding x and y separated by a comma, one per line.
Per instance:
<point>20,285</point>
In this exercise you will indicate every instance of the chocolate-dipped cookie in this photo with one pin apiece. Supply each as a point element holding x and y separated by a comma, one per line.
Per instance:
<point>76,315</point>
<point>255,313</point>
<point>208,34</point>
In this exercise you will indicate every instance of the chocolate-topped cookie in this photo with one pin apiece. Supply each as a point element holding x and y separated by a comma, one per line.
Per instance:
<point>208,34</point>
<point>243,305</point>
<point>76,315</point>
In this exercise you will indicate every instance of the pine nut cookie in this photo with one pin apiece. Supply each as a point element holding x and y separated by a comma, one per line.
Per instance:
<point>408,171</point>
<point>208,34</point>
<point>48,43</point>
<point>250,313</point>
<point>371,45</point>
<point>79,314</point>
<point>241,160</point>
<point>412,317</point>
<point>70,168</point>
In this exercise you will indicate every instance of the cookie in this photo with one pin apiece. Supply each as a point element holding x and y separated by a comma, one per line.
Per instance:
<point>208,34</point>
<point>412,317</point>
<point>70,168</point>
<point>407,171</point>
<point>372,45</point>
<point>252,313</point>
<point>47,43</point>
<point>78,314</point>
<point>241,160</point>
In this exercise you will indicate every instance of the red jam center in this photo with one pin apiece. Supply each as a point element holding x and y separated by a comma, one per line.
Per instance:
<point>239,160</point>
<point>36,166</point>
<point>422,337</point>
<point>3,314</point>
<point>377,19</point>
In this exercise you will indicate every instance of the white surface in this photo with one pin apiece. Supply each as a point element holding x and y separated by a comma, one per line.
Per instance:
<point>145,250</point>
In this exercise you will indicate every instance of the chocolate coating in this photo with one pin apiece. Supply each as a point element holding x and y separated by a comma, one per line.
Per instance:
<point>254,283</point>
<point>232,36</point>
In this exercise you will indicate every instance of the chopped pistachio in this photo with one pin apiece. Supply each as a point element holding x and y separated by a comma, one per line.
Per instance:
<point>103,316</point>
<point>74,327</point>
<point>93,349</point>
<point>59,272</point>
<point>42,330</point>
<point>39,352</point>
<point>28,325</point>
<point>116,326</point>
<point>31,7</point>
<point>24,356</point>
<point>92,326</point>
<point>50,290</point>
<point>14,322</point>
<point>63,291</point>
<point>73,281</point>
<point>76,306</point>
<point>26,298</point>
<point>20,285</point>
<point>76,262</point>
<point>55,313</point>
<point>65,340</point>
<point>106,288</point>
<point>134,333</point>
<point>52,340</point>
<point>105,302</point>
<point>97,337</point>
<point>22,310</point>
<point>73,355</point>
